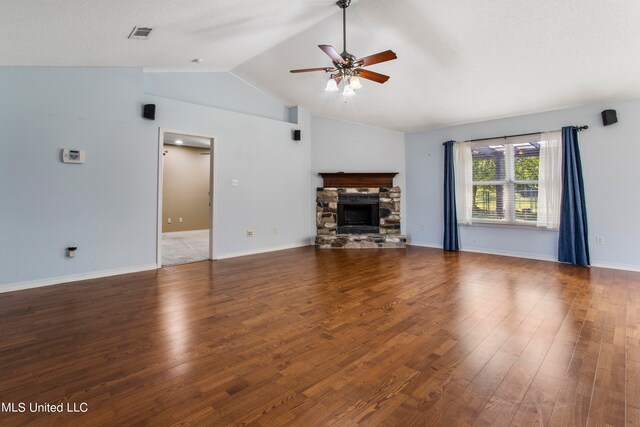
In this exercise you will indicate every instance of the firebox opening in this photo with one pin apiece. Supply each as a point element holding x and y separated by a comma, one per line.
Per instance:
<point>358,215</point>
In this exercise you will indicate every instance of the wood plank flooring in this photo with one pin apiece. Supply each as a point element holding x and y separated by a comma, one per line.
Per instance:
<point>414,337</point>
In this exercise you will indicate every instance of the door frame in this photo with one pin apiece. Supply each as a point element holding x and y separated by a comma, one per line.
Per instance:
<point>212,191</point>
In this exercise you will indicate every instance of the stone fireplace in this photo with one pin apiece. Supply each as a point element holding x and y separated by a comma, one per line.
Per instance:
<point>358,211</point>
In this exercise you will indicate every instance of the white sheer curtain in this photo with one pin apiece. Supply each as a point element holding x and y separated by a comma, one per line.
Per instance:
<point>550,180</point>
<point>464,181</point>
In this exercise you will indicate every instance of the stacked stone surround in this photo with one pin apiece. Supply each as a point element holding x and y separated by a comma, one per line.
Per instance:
<point>388,235</point>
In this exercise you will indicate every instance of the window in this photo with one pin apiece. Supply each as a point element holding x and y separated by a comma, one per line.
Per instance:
<point>501,179</point>
<point>505,181</point>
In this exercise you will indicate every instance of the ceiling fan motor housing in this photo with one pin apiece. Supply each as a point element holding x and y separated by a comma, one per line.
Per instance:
<point>349,61</point>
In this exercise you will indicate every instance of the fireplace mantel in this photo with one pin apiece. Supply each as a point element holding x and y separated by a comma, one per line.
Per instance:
<point>356,180</point>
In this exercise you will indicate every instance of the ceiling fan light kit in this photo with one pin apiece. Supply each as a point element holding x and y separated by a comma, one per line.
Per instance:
<point>332,86</point>
<point>355,83</point>
<point>348,90</point>
<point>345,65</point>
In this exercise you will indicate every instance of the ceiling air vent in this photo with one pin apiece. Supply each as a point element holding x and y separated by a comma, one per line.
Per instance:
<point>140,33</point>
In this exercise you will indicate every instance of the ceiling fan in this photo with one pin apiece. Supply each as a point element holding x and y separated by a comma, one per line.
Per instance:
<point>346,66</point>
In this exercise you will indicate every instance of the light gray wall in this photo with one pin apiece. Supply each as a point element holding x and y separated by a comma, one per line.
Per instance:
<point>339,146</point>
<point>611,174</point>
<point>105,206</point>
<point>273,174</point>
<point>215,89</point>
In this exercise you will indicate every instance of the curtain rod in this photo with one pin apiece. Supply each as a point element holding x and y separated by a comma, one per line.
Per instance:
<point>580,128</point>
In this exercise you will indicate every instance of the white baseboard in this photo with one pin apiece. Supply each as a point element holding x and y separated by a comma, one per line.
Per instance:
<point>526,255</point>
<point>10,287</point>
<point>624,267</point>
<point>613,266</point>
<point>261,251</point>
<point>490,252</point>
<point>424,245</point>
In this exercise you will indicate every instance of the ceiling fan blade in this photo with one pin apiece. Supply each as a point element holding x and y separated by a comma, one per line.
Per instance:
<point>385,56</point>
<point>332,52</point>
<point>370,75</point>
<point>306,70</point>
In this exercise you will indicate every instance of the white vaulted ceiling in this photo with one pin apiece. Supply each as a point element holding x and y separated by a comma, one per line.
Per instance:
<point>94,32</point>
<point>458,60</point>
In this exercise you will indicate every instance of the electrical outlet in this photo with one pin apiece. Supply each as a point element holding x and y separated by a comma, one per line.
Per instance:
<point>274,230</point>
<point>599,240</point>
<point>71,251</point>
<point>168,220</point>
<point>234,182</point>
<point>180,219</point>
<point>250,233</point>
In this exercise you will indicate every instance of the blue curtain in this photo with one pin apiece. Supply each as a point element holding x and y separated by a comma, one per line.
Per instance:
<point>451,242</point>
<point>573,244</point>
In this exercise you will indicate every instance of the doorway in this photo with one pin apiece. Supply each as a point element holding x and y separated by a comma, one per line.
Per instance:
<point>185,198</point>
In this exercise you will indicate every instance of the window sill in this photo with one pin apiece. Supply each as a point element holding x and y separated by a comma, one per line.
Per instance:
<point>512,225</point>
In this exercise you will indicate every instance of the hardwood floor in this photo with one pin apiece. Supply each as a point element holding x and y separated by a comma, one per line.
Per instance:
<point>337,338</point>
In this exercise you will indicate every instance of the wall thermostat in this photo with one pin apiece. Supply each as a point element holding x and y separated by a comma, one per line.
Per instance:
<point>72,156</point>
